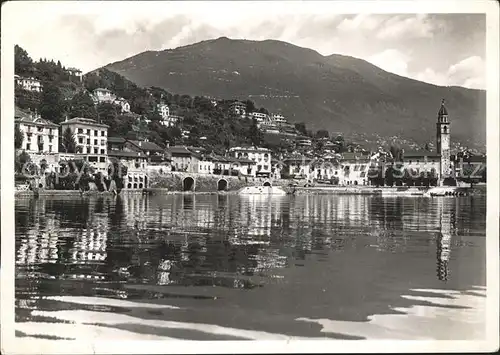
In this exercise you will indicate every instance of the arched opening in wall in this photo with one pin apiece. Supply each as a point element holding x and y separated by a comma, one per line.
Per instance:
<point>188,184</point>
<point>222,185</point>
<point>129,185</point>
<point>267,183</point>
<point>135,185</point>
<point>145,182</point>
<point>140,186</point>
<point>355,182</point>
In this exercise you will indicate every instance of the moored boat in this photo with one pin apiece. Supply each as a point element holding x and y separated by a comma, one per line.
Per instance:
<point>262,190</point>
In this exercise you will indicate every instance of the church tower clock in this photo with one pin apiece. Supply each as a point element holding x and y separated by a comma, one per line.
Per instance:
<point>443,141</point>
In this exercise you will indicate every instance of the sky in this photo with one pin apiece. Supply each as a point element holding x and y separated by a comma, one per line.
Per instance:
<point>440,48</point>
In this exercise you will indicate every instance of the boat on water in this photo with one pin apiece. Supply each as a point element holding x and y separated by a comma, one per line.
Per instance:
<point>443,191</point>
<point>262,190</point>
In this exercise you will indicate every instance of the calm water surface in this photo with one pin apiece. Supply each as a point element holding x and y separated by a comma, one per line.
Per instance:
<point>227,267</point>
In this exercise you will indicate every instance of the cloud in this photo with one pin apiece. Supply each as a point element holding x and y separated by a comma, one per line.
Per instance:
<point>469,72</point>
<point>359,22</point>
<point>432,77</point>
<point>400,27</point>
<point>391,60</point>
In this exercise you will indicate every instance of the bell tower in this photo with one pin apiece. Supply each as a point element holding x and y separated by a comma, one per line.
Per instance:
<point>443,141</point>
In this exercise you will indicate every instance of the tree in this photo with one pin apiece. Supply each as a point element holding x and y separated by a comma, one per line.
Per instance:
<point>250,106</point>
<point>301,128</point>
<point>107,113</point>
<point>18,137</point>
<point>21,160</point>
<point>82,105</point>
<point>68,143</point>
<point>52,106</point>
<point>255,134</point>
<point>23,64</point>
<point>322,133</point>
<point>396,152</point>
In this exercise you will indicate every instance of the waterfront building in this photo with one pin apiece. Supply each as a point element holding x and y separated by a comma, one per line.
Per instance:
<point>91,141</point>
<point>418,162</point>
<point>297,166</point>
<point>261,156</point>
<point>183,159</point>
<point>443,143</point>
<point>39,135</point>
<point>355,168</point>
<point>136,164</point>
<point>29,84</point>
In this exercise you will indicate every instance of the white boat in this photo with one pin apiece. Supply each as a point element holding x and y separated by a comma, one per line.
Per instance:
<point>262,190</point>
<point>441,191</point>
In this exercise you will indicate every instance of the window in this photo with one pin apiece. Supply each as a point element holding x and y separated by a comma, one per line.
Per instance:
<point>266,167</point>
<point>102,133</point>
<point>88,140</point>
<point>95,132</point>
<point>28,146</point>
<point>40,129</point>
<point>102,159</point>
<point>96,150</point>
<point>50,149</point>
<point>92,159</point>
<point>88,131</point>
<point>50,139</point>
<point>95,142</point>
<point>103,151</point>
<point>80,140</point>
<point>80,130</point>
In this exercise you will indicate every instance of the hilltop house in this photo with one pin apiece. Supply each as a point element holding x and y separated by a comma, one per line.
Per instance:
<point>238,108</point>
<point>124,105</point>
<point>75,72</point>
<point>29,84</point>
<point>258,116</point>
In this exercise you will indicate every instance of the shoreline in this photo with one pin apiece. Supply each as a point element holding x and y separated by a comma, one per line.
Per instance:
<point>414,191</point>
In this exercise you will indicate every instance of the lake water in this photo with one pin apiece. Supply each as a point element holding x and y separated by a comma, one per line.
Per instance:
<point>215,267</point>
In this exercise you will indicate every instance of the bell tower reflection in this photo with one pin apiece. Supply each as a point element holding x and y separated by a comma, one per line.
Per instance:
<point>443,244</point>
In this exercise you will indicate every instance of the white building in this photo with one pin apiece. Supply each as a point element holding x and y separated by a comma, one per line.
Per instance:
<point>91,141</point>
<point>261,156</point>
<point>39,135</point>
<point>239,108</point>
<point>125,106</point>
<point>163,110</point>
<point>29,84</point>
<point>101,95</point>
<point>258,116</point>
<point>75,72</point>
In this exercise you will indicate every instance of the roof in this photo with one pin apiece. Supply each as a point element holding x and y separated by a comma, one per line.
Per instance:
<point>419,153</point>
<point>102,89</point>
<point>443,111</point>
<point>84,121</point>
<point>146,145</point>
<point>26,118</point>
<point>116,140</point>
<point>123,153</point>
<point>179,150</point>
<point>249,149</point>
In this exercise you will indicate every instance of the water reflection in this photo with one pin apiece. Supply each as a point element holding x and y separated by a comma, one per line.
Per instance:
<point>335,252</point>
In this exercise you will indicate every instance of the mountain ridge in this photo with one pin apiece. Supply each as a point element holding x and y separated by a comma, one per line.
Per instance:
<point>333,92</point>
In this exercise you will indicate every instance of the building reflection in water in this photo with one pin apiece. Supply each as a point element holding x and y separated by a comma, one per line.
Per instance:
<point>443,242</point>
